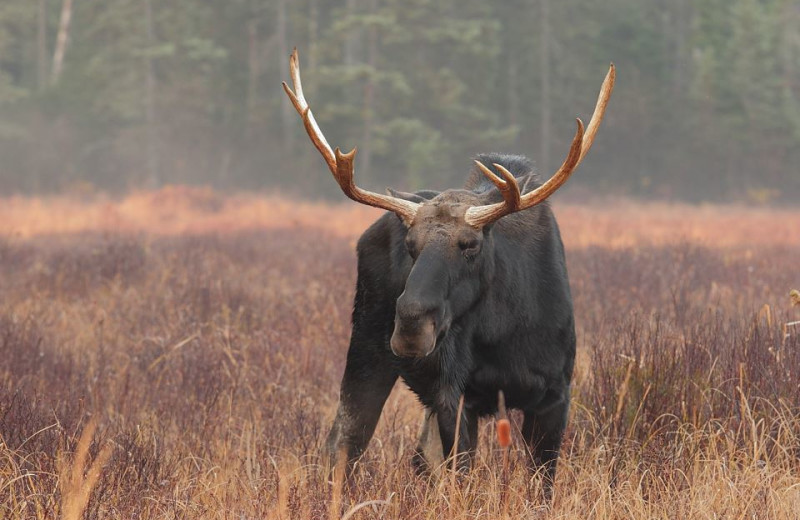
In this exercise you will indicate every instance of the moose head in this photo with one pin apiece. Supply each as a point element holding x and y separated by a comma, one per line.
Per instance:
<point>448,237</point>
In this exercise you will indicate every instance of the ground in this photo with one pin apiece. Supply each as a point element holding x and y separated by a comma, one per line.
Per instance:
<point>176,354</point>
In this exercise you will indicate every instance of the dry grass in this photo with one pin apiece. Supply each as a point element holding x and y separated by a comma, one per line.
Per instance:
<point>178,210</point>
<point>182,361</point>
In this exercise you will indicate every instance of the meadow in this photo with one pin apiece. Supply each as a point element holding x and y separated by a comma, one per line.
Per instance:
<point>177,354</point>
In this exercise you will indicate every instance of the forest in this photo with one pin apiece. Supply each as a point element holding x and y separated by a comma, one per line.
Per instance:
<point>113,96</point>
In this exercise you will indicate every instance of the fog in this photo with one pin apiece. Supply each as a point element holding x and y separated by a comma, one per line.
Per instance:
<point>99,96</point>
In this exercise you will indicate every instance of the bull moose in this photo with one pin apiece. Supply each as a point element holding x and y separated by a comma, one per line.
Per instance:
<point>460,293</point>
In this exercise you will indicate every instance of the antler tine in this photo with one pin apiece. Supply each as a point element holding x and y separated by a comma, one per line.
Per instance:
<point>560,177</point>
<point>340,164</point>
<point>599,110</point>
<point>510,193</point>
<point>301,105</point>
<point>507,186</point>
<point>479,216</point>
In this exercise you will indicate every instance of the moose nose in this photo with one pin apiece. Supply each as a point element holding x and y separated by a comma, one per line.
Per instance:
<point>416,339</point>
<point>414,327</point>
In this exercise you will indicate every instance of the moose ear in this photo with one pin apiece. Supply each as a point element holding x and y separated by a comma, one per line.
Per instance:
<point>411,197</point>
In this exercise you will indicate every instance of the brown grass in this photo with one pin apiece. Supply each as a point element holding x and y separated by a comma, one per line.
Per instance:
<point>75,487</point>
<point>186,366</point>
<point>177,210</point>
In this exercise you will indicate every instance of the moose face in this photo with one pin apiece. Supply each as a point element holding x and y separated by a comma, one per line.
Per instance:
<point>449,258</point>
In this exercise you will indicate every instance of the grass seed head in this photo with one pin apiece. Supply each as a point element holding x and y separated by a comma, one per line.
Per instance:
<point>504,433</point>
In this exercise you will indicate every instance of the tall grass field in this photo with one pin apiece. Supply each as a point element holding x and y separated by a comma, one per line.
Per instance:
<point>177,354</point>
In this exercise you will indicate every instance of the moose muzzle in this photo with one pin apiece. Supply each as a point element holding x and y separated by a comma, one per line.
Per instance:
<point>413,337</point>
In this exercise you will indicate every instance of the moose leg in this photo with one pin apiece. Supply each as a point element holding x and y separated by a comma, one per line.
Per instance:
<point>467,435</point>
<point>472,432</point>
<point>543,431</point>
<point>366,384</point>
<point>428,453</point>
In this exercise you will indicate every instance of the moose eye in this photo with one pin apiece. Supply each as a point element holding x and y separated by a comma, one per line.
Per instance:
<point>469,246</point>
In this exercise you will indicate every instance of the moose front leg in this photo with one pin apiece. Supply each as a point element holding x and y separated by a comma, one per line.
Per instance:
<point>543,431</point>
<point>428,453</point>
<point>366,384</point>
<point>447,417</point>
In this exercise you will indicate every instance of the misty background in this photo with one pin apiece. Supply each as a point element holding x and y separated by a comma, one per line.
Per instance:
<point>115,95</point>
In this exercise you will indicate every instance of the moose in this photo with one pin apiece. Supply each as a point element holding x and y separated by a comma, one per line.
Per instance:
<point>463,294</point>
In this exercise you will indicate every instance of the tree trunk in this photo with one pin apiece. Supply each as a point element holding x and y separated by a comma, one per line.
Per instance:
<point>41,45</point>
<point>313,34</point>
<point>287,118</point>
<point>682,59</point>
<point>544,100</point>
<point>789,49</point>
<point>253,66</point>
<point>513,94</point>
<point>369,94</point>
<point>153,174</point>
<point>61,40</point>
<point>351,38</point>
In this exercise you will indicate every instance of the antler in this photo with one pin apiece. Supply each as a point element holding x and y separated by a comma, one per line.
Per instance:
<point>341,164</point>
<point>479,216</point>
